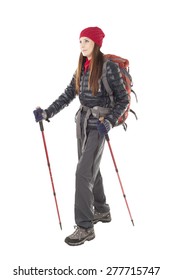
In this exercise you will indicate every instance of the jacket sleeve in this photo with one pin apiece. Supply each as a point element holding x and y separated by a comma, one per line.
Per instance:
<point>120,95</point>
<point>63,100</point>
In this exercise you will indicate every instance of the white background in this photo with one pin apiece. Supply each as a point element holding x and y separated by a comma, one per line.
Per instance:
<point>39,52</point>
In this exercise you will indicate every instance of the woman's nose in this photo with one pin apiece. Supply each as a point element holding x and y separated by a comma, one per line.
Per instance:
<point>82,44</point>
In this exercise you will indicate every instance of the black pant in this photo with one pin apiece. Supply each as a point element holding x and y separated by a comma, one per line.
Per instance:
<point>89,186</point>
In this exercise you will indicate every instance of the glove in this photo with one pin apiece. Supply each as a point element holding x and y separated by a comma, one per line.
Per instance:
<point>40,114</point>
<point>103,127</point>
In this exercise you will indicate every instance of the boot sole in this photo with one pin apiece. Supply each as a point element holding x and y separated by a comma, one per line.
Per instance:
<point>88,238</point>
<point>102,221</point>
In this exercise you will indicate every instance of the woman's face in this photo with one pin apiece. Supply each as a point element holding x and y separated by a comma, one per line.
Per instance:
<point>86,46</point>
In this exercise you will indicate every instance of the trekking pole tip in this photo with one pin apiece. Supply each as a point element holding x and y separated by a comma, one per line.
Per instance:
<point>133,223</point>
<point>60,226</point>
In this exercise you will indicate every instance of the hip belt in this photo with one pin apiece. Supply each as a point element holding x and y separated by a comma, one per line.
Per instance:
<point>96,112</point>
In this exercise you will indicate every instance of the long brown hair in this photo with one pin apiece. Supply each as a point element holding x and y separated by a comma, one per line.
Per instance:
<point>96,66</point>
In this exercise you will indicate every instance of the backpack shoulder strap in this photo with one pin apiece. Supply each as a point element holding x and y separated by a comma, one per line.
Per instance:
<point>106,84</point>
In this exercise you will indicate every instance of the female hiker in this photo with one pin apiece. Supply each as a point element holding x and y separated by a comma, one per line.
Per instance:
<point>94,119</point>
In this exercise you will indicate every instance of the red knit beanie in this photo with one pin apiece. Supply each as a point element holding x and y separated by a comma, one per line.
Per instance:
<point>93,33</point>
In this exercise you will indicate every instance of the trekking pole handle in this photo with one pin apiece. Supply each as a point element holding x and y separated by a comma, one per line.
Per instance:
<point>107,137</point>
<point>41,126</point>
<point>101,119</point>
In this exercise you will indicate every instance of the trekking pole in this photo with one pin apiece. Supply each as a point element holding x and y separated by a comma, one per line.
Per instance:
<point>50,172</point>
<point>108,141</point>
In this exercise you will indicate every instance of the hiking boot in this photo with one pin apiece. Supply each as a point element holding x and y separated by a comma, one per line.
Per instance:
<point>80,235</point>
<point>101,217</point>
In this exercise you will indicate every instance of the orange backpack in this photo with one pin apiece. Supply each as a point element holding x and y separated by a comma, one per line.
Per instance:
<point>124,70</point>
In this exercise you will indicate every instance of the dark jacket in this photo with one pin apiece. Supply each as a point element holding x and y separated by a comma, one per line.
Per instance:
<point>102,99</point>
